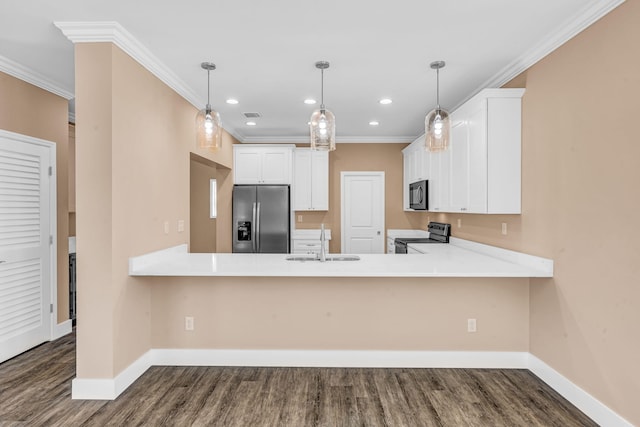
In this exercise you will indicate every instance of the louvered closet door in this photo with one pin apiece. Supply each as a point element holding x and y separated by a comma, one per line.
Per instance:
<point>24,246</point>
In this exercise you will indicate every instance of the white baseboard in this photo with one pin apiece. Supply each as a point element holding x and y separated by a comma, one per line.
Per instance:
<point>340,358</point>
<point>109,389</point>
<point>582,400</point>
<point>61,329</point>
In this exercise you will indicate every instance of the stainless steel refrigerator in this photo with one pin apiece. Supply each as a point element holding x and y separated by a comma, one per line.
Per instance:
<point>261,215</point>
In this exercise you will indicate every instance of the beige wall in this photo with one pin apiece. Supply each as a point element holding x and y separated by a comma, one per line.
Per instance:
<point>340,313</point>
<point>364,157</point>
<point>29,110</point>
<point>134,138</point>
<point>581,167</point>
<point>203,227</point>
<point>72,179</point>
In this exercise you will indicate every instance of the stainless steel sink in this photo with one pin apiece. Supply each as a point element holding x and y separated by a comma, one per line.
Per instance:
<point>343,258</point>
<point>301,258</point>
<point>329,258</point>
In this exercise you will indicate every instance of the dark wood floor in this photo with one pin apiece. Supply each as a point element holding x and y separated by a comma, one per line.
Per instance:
<point>35,390</point>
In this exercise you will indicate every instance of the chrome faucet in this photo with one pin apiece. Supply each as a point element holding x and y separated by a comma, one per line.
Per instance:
<point>323,252</point>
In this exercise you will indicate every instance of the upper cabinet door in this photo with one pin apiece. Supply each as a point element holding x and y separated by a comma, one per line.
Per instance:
<point>262,164</point>
<point>302,180</point>
<point>459,171</point>
<point>311,180</point>
<point>477,174</point>
<point>276,166</point>
<point>246,166</point>
<point>320,180</point>
<point>504,155</point>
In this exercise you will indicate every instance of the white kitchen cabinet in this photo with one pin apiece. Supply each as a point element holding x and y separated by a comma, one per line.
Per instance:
<point>308,241</point>
<point>485,154</point>
<point>415,167</point>
<point>406,162</point>
<point>262,164</point>
<point>480,171</point>
<point>439,181</point>
<point>311,180</point>
<point>459,166</point>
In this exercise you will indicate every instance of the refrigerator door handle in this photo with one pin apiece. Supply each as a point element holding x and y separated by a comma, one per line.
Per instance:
<point>258,229</point>
<point>253,230</point>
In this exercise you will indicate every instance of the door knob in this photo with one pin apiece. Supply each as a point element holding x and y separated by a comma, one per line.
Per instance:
<point>378,233</point>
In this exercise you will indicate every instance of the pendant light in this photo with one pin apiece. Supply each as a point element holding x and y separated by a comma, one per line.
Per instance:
<point>323,122</point>
<point>208,125</point>
<point>437,124</point>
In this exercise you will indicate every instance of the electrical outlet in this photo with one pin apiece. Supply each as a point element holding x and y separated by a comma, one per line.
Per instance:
<point>504,228</point>
<point>459,222</point>
<point>471,325</point>
<point>188,323</point>
<point>180,225</point>
<point>299,218</point>
<point>166,227</point>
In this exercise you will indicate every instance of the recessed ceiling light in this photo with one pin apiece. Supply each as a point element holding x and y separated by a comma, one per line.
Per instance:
<point>373,123</point>
<point>309,101</point>
<point>385,101</point>
<point>250,123</point>
<point>232,101</point>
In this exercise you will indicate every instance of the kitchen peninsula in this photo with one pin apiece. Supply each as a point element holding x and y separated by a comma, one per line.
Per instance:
<point>457,305</point>
<point>257,302</point>
<point>459,259</point>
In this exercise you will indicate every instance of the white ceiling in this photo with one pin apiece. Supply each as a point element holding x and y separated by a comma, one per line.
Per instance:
<point>265,53</point>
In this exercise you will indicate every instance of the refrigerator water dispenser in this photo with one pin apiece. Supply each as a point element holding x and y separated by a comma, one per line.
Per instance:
<point>244,231</point>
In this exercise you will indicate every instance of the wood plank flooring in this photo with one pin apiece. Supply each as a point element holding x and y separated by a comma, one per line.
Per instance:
<point>35,390</point>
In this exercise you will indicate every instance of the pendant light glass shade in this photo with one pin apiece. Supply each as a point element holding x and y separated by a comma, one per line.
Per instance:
<point>437,124</point>
<point>323,123</point>
<point>208,124</point>
<point>437,129</point>
<point>323,130</point>
<point>208,129</point>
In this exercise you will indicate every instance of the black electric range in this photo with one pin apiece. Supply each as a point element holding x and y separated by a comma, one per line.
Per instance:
<point>438,233</point>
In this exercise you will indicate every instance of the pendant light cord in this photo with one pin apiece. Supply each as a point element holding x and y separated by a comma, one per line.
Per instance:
<point>322,89</point>
<point>208,91</point>
<point>438,88</point>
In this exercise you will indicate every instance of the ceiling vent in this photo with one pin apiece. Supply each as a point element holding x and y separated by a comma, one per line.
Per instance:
<point>252,115</point>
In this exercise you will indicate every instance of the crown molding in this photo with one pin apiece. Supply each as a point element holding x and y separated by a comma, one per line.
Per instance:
<point>28,75</point>
<point>112,32</point>
<point>589,15</point>
<point>339,140</point>
<point>238,136</point>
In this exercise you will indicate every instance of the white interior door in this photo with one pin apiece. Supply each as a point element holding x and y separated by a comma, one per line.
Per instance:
<point>26,259</point>
<point>362,212</point>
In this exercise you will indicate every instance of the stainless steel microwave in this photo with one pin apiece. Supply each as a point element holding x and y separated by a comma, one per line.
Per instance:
<point>419,195</point>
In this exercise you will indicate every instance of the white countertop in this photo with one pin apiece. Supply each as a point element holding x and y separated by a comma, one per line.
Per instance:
<point>439,260</point>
